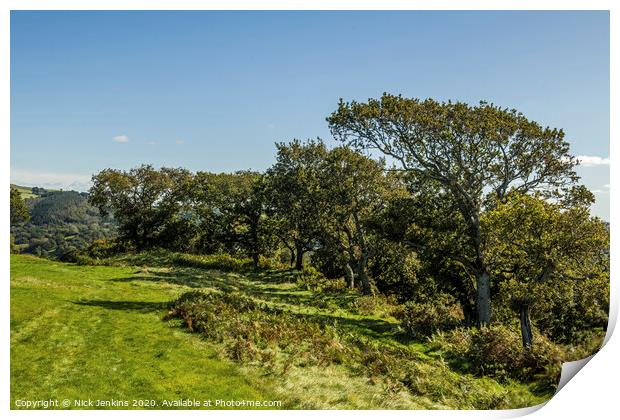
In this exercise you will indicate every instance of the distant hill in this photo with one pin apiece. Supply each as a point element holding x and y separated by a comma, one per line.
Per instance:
<point>26,192</point>
<point>60,222</point>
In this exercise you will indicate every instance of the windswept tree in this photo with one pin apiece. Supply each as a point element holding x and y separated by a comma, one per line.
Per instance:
<point>476,153</point>
<point>535,245</point>
<point>293,188</point>
<point>147,203</point>
<point>236,204</point>
<point>427,222</point>
<point>354,188</point>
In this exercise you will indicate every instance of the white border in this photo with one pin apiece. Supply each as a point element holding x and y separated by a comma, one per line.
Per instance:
<point>593,392</point>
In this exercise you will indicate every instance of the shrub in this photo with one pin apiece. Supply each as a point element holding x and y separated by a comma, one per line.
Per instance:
<point>80,258</point>
<point>379,305</point>
<point>251,331</point>
<point>395,271</point>
<point>312,279</point>
<point>70,255</point>
<point>425,319</point>
<point>400,369</point>
<point>328,262</point>
<point>104,248</point>
<point>497,351</point>
<point>222,262</point>
<point>570,310</point>
<point>271,264</point>
<point>75,256</point>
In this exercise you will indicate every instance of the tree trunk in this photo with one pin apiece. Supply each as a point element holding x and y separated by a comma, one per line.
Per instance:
<point>349,276</point>
<point>363,276</point>
<point>483,279</point>
<point>291,250</point>
<point>292,257</point>
<point>361,263</point>
<point>466,295</point>
<point>255,244</point>
<point>526,325</point>
<point>483,298</point>
<point>299,257</point>
<point>255,260</point>
<point>469,312</point>
<point>365,283</point>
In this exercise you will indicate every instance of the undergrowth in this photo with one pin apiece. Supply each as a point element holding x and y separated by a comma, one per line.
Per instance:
<point>275,340</point>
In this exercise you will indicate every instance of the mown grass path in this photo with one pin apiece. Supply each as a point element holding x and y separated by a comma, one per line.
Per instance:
<point>93,333</point>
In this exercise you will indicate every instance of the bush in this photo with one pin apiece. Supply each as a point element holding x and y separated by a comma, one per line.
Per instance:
<point>395,270</point>
<point>75,256</point>
<point>252,331</point>
<point>276,340</point>
<point>312,279</point>
<point>222,262</point>
<point>328,262</point>
<point>401,370</point>
<point>81,258</point>
<point>497,351</point>
<point>569,311</point>
<point>271,264</point>
<point>424,319</point>
<point>104,248</point>
<point>378,305</point>
<point>70,255</point>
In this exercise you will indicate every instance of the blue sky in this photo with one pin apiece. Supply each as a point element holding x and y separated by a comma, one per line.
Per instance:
<point>215,90</point>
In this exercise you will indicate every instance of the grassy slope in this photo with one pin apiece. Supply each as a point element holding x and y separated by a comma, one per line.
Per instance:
<point>105,325</point>
<point>25,192</point>
<point>90,332</point>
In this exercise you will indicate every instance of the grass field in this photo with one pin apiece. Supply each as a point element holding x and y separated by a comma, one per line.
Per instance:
<point>97,332</point>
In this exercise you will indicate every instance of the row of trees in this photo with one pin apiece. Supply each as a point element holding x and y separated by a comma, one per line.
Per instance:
<point>477,201</point>
<point>313,199</point>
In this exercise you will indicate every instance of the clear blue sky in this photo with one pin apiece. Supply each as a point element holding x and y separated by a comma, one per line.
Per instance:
<point>215,90</point>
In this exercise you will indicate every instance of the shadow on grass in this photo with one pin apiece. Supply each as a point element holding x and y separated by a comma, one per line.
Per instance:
<point>185,278</point>
<point>125,305</point>
<point>273,276</point>
<point>271,286</point>
<point>375,328</point>
<point>274,286</point>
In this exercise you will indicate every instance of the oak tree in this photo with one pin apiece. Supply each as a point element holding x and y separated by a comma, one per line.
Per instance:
<point>476,153</point>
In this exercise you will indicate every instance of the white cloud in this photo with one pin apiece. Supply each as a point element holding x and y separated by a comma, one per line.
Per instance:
<point>52,180</point>
<point>180,141</point>
<point>121,139</point>
<point>603,190</point>
<point>587,161</point>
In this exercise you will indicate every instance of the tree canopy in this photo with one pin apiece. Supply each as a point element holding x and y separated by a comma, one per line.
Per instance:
<point>532,245</point>
<point>476,153</point>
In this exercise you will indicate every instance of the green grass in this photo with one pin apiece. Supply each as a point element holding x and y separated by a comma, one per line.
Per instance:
<point>96,332</point>
<point>25,192</point>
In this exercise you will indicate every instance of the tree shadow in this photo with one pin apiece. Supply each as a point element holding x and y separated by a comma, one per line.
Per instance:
<point>125,305</point>
<point>268,285</point>
<point>273,276</point>
<point>183,278</point>
<point>376,328</point>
